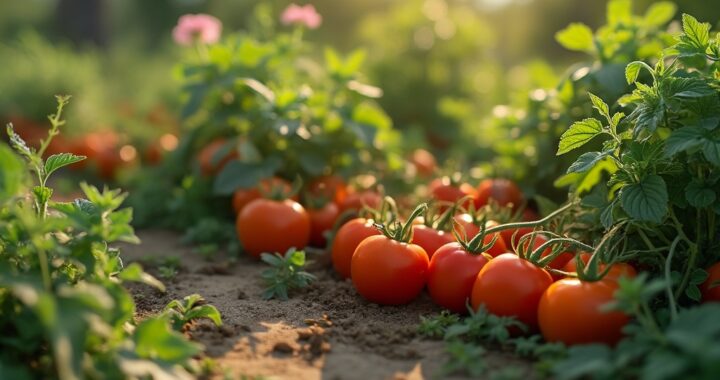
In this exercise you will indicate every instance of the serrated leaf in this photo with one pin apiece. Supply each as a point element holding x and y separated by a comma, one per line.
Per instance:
<point>576,37</point>
<point>586,161</point>
<point>578,134</point>
<point>632,70</point>
<point>57,161</point>
<point>695,37</point>
<point>599,105</point>
<point>698,195</point>
<point>619,12</point>
<point>683,139</point>
<point>660,13</point>
<point>646,200</point>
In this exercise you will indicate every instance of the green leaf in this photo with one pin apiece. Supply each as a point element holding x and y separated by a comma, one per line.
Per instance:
<point>695,37</point>
<point>711,151</point>
<point>12,173</point>
<point>632,70</point>
<point>586,161</point>
<point>698,195</point>
<point>576,37</point>
<point>134,272</point>
<point>244,175</point>
<point>619,12</point>
<point>698,276</point>
<point>155,340</point>
<point>42,193</point>
<point>57,161</point>
<point>296,258</point>
<point>584,361</point>
<point>646,200</point>
<point>659,14</point>
<point>205,311</point>
<point>693,292</point>
<point>683,139</point>
<point>599,105</point>
<point>578,134</point>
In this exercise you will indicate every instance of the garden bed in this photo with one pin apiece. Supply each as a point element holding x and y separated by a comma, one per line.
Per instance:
<point>326,331</point>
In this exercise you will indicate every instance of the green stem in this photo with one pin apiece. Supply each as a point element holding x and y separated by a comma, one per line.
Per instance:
<point>668,285</point>
<point>44,269</point>
<point>510,226</point>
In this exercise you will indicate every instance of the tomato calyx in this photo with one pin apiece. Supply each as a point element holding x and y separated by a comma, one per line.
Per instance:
<point>437,220</point>
<point>475,245</point>
<point>279,192</point>
<point>401,232</point>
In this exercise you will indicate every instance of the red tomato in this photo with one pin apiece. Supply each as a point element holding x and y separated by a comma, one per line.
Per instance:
<point>347,238</point>
<point>451,276</point>
<point>511,241</point>
<point>511,286</point>
<point>209,163</point>
<point>242,197</point>
<point>570,312</point>
<point>265,225</point>
<point>504,191</point>
<point>424,162</point>
<point>389,272</point>
<point>356,201</point>
<point>322,220</point>
<point>559,262</point>
<point>332,188</point>
<point>530,215</point>
<point>466,227</point>
<point>711,287</point>
<point>616,271</point>
<point>430,239</point>
<point>442,189</point>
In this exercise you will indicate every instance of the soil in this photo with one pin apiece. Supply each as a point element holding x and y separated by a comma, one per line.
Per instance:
<point>326,331</point>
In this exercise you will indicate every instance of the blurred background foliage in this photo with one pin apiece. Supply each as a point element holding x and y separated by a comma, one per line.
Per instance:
<point>479,82</point>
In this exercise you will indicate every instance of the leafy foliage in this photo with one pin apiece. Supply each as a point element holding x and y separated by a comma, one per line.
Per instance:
<point>285,275</point>
<point>190,308</point>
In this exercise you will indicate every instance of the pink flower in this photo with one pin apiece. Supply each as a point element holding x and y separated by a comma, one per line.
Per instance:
<point>303,15</point>
<point>201,27</point>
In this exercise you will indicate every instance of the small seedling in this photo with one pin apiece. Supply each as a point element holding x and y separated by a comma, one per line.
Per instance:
<point>190,308</point>
<point>286,273</point>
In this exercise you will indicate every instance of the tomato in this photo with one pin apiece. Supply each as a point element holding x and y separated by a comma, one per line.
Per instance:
<point>616,271</point>
<point>356,201</point>
<point>266,225</point>
<point>451,276</point>
<point>711,287</point>
<point>156,150</point>
<point>443,190</point>
<point>242,197</point>
<point>511,286</point>
<point>559,262</point>
<point>530,215</point>
<point>424,162</point>
<point>389,272</point>
<point>512,236</point>
<point>210,163</point>
<point>430,239</point>
<point>504,191</point>
<point>570,312</point>
<point>332,188</point>
<point>322,220</point>
<point>466,227</point>
<point>347,238</point>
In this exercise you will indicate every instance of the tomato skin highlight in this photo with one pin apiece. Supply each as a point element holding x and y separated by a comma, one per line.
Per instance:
<point>466,227</point>
<point>511,286</point>
<point>388,272</point>
<point>266,225</point>
<point>710,291</point>
<point>570,312</point>
<point>347,239</point>
<point>321,220</point>
<point>451,275</point>
<point>504,191</point>
<point>430,239</point>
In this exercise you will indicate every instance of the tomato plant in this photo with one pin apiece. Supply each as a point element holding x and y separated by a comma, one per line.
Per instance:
<point>270,226</point>
<point>571,311</point>
<point>388,269</point>
<point>214,156</point>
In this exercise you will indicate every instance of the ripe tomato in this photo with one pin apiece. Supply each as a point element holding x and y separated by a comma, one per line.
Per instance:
<point>266,225</point>
<point>430,239</point>
<point>389,272</point>
<point>616,271</point>
<point>210,164</point>
<point>424,162</point>
<point>321,220</point>
<point>511,241</point>
<point>443,190</point>
<point>570,312</point>
<point>347,238</point>
<point>504,191</point>
<point>466,227</point>
<point>511,286</point>
<point>242,197</point>
<point>332,188</point>
<point>356,201</point>
<point>711,287</point>
<point>451,276</point>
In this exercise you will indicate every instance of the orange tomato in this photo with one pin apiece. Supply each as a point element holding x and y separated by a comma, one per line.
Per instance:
<point>266,225</point>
